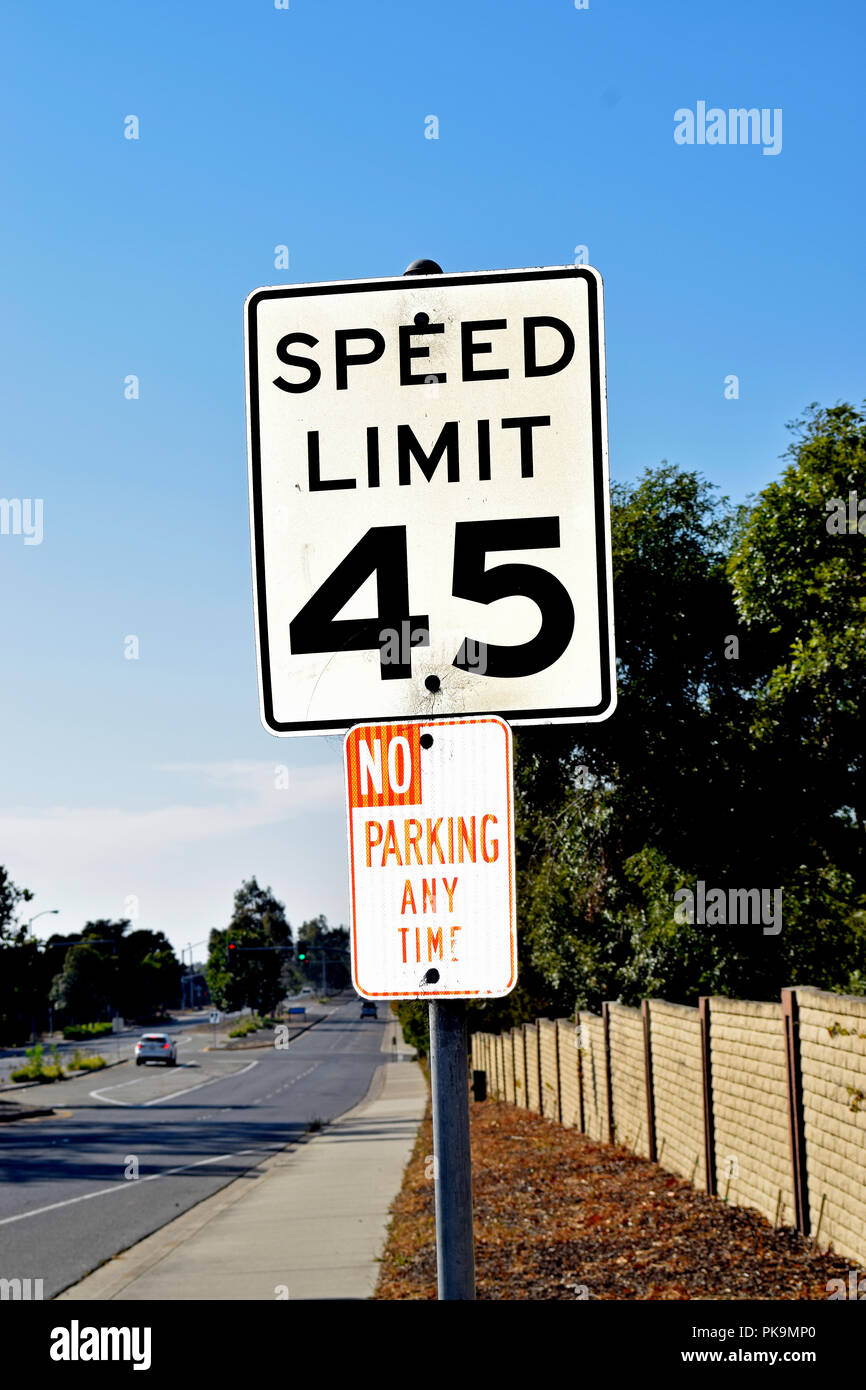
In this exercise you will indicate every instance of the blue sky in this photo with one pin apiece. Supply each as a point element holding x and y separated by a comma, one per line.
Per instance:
<point>153,779</point>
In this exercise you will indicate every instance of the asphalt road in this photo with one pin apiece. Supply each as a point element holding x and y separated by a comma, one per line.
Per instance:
<point>65,1202</point>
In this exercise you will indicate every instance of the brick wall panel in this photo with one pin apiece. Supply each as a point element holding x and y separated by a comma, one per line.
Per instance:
<point>594,1077</point>
<point>567,1039</point>
<point>508,1069</point>
<point>750,1106</point>
<point>519,1067</point>
<point>549,1081</point>
<point>678,1089</point>
<point>532,1096</point>
<point>628,1078</point>
<point>832,1059</point>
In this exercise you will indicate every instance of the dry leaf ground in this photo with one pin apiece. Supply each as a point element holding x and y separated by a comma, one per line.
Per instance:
<point>558,1216</point>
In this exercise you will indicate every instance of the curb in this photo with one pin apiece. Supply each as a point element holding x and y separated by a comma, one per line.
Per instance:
<point>32,1112</point>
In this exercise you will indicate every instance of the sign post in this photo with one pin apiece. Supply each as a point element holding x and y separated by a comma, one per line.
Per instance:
<point>452,1163</point>
<point>429,515</point>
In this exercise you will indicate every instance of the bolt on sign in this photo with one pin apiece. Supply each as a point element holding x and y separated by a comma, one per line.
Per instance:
<point>429,499</point>
<point>431,853</point>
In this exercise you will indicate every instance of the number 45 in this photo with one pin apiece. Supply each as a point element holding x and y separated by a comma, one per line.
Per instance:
<point>383,552</point>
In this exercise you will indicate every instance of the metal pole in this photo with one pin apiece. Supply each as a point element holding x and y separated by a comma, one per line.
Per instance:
<point>455,1245</point>
<point>455,1242</point>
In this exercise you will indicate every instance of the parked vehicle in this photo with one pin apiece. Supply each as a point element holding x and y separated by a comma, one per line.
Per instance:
<point>156,1047</point>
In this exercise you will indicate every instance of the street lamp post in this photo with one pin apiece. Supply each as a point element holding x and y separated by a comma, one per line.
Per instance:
<point>46,912</point>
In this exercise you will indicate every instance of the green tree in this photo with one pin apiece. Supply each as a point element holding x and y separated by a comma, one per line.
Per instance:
<point>326,954</point>
<point>21,1002</point>
<point>723,758</point>
<point>82,991</point>
<point>735,754</point>
<point>799,580</point>
<point>11,931</point>
<point>800,585</point>
<point>248,976</point>
<point>149,975</point>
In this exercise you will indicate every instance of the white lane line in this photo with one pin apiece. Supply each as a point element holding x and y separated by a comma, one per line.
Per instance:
<point>124,1186</point>
<point>141,1105</point>
<point>286,1084</point>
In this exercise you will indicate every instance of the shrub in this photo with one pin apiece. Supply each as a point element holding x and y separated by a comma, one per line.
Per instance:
<point>37,1069</point>
<point>93,1063</point>
<point>78,1031</point>
<point>249,1025</point>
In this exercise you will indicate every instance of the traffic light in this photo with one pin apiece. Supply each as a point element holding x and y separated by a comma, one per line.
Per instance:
<point>302,953</point>
<point>230,953</point>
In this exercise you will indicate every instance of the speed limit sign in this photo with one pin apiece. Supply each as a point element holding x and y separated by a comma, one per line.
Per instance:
<point>429,499</point>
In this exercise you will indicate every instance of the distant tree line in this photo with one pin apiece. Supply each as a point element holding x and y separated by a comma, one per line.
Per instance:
<point>107,969</point>
<point>86,977</point>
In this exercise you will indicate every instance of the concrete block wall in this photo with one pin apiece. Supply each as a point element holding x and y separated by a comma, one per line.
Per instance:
<point>508,1067</point>
<point>833,1067</point>
<point>533,1099</point>
<point>757,1119</point>
<point>628,1078</point>
<point>567,1039</point>
<point>549,1069</point>
<point>520,1092</point>
<point>593,1074</point>
<point>677,1079</point>
<point>750,1107</point>
<point>499,1066</point>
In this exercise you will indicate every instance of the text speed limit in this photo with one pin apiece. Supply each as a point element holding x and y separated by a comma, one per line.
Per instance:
<point>429,499</point>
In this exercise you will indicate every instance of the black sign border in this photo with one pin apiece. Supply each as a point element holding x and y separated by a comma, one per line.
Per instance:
<point>575,714</point>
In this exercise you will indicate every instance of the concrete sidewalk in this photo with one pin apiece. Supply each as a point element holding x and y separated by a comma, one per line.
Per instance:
<point>310,1222</point>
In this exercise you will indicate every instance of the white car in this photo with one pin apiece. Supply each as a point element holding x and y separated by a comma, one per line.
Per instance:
<point>156,1047</point>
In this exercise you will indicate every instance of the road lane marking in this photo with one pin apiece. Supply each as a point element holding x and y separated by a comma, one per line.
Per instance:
<point>126,1186</point>
<point>141,1105</point>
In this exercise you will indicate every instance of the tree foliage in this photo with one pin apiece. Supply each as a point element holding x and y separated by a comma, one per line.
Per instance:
<point>734,755</point>
<point>326,954</point>
<point>249,975</point>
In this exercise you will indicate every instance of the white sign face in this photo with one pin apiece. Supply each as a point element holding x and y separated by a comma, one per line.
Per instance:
<point>431,855</point>
<point>429,499</point>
